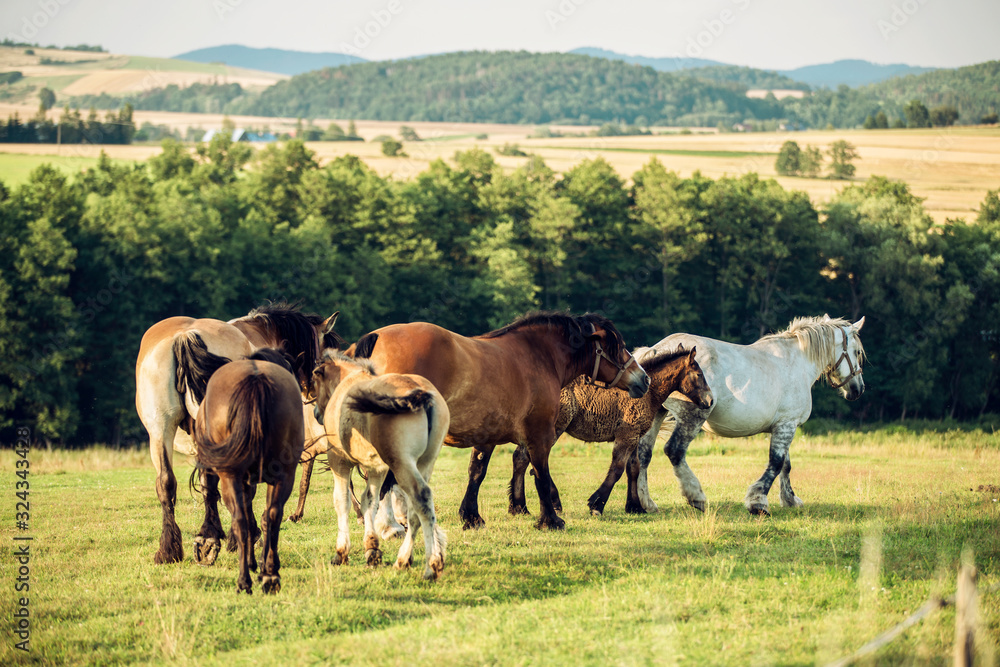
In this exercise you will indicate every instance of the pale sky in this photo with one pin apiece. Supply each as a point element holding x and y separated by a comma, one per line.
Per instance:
<point>770,34</point>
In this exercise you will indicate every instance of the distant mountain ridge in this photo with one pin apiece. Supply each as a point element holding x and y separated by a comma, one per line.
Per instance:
<point>281,61</point>
<point>852,73</point>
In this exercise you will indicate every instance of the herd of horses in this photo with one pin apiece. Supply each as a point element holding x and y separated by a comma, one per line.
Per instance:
<point>252,398</point>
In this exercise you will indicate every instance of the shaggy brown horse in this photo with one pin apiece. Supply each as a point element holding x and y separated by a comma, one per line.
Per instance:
<point>171,373</point>
<point>504,386</point>
<point>381,423</point>
<point>592,415</point>
<point>250,429</point>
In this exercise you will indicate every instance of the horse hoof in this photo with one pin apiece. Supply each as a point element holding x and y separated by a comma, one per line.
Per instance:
<point>206,550</point>
<point>634,509</point>
<point>373,557</point>
<point>435,566</point>
<point>795,502</point>
<point>516,510</point>
<point>596,512</point>
<point>554,524</point>
<point>296,517</point>
<point>270,584</point>
<point>403,564</point>
<point>339,559</point>
<point>475,522</point>
<point>759,510</point>
<point>697,504</point>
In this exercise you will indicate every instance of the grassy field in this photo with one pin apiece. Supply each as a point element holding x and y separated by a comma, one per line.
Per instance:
<point>885,520</point>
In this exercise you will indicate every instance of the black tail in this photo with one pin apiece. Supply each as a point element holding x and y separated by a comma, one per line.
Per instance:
<point>248,424</point>
<point>274,356</point>
<point>195,365</point>
<point>381,404</point>
<point>365,346</point>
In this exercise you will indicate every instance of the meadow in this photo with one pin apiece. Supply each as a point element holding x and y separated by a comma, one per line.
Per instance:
<point>887,515</point>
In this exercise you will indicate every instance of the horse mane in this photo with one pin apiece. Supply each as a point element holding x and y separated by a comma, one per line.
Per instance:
<point>651,363</point>
<point>297,329</point>
<point>815,336</point>
<point>275,356</point>
<point>336,355</point>
<point>574,327</point>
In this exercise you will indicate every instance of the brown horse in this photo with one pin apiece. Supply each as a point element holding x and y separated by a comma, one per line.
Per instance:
<point>171,375</point>
<point>612,416</point>
<point>250,428</point>
<point>382,423</point>
<point>503,386</point>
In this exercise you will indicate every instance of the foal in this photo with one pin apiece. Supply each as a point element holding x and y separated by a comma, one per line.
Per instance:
<point>596,415</point>
<point>382,423</point>
<point>250,426</point>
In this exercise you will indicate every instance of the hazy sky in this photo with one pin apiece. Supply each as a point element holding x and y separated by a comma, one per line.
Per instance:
<point>773,34</point>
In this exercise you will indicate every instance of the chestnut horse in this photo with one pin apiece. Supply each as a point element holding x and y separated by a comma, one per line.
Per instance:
<point>592,415</point>
<point>382,423</point>
<point>170,380</point>
<point>250,428</point>
<point>503,386</point>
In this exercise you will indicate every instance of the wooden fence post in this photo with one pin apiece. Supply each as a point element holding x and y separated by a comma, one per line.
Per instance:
<point>965,612</point>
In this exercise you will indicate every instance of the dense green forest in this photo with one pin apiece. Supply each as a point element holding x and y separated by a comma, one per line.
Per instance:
<point>87,264</point>
<point>548,88</point>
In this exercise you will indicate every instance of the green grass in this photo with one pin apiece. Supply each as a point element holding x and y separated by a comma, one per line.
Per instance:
<point>676,587</point>
<point>661,151</point>
<point>171,65</point>
<point>15,167</point>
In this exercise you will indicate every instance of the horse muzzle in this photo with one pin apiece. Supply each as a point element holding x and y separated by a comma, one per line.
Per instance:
<point>854,390</point>
<point>638,386</point>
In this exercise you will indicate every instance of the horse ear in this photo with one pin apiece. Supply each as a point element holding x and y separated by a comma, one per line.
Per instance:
<point>329,322</point>
<point>860,323</point>
<point>692,353</point>
<point>826,317</point>
<point>592,331</point>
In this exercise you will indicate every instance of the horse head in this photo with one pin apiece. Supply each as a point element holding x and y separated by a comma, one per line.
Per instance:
<point>328,374</point>
<point>694,385</point>
<point>613,366</point>
<point>845,372</point>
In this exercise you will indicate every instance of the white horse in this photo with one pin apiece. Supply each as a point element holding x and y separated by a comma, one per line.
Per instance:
<point>765,387</point>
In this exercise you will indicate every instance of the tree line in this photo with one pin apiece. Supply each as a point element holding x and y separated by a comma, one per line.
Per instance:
<point>554,88</point>
<point>88,263</point>
<point>116,128</point>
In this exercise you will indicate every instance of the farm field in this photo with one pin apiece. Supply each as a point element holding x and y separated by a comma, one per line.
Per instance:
<point>886,517</point>
<point>951,168</point>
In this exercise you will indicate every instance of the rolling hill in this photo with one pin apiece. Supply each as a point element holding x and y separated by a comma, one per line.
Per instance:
<point>269,60</point>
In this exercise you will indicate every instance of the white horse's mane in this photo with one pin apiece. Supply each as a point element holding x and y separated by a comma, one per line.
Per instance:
<point>815,336</point>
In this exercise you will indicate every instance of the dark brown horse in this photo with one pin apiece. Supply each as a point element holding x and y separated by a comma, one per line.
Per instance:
<point>592,415</point>
<point>250,428</point>
<point>504,386</point>
<point>171,374</point>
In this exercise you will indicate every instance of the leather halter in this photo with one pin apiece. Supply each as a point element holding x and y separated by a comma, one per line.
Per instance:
<point>850,365</point>
<point>599,353</point>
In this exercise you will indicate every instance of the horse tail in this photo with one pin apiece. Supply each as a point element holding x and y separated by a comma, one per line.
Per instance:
<point>248,423</point>
<point>365,346</point>
<point>384,404</point>
<point>195,364</point>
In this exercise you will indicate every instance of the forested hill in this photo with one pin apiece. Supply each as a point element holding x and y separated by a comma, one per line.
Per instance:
<point>509,87</point>
<point>973,90</point>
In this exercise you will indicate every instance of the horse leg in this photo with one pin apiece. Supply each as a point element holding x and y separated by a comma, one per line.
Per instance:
<point>478,464</point>
<point>625,446</point>
<point>277,496</point>
<point>781,438</point>
<point>788,497</point>
<point>232,494</point>
<point>539,450</point>
<point>300,508</point>
<point>515,492</point>
<point>688,419</point>
<point>208,540</point>
<point>637,499</point>
<point>385,520</point>
<point>342,504</point>
<point>400,508</point>
<point>369,505</point>
<point>421,515</point>
<point>161,451</point>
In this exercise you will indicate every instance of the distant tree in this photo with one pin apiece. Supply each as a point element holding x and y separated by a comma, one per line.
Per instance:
<point>352,131</point>
<point>899,123</point>
<point>990,119</point>
<point>392,148</point>
<point>842,154</point>
<point>881,122</point>
<point>333,132</point>
<point>944,116</point>
<point>47,98</point>
<point>407,133</point>
<point>810,162</point>
<point>788,162</point>
<point>916,114</point>
<point>511,150</point>
<point>869,122</point>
